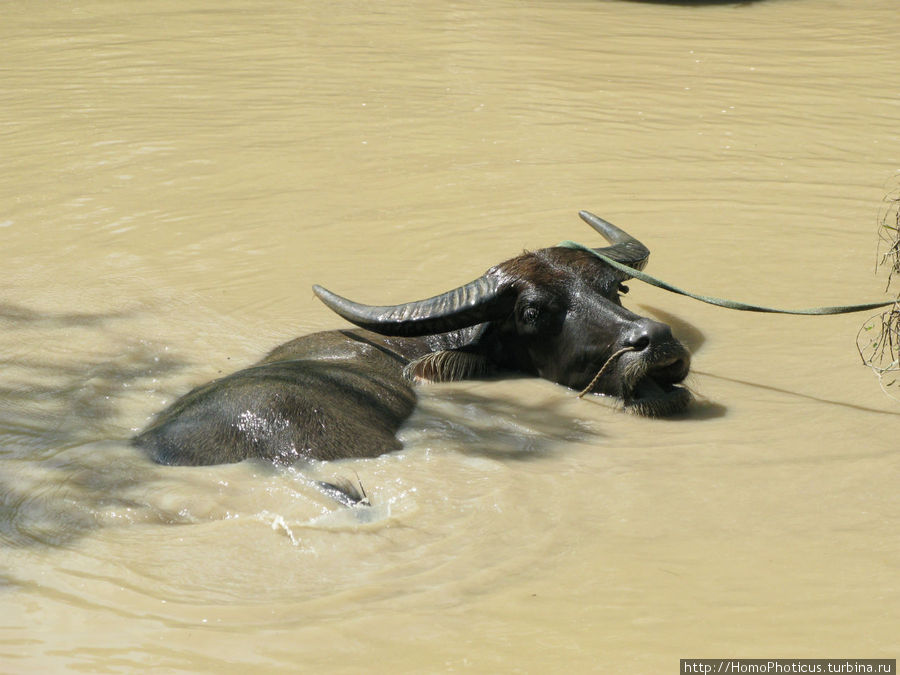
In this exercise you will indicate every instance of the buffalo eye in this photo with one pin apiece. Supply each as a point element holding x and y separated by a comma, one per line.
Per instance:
<point>530,319</point>
<point>538,313</point>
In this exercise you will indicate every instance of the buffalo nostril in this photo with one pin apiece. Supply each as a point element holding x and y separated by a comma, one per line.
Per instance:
<point>640,344</point>
<point>647,333</point>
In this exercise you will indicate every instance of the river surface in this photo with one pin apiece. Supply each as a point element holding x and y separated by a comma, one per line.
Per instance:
<point>176,176</point>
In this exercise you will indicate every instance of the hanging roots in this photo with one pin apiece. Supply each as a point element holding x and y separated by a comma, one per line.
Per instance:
<point>878,340</point>
<point>889,238</point>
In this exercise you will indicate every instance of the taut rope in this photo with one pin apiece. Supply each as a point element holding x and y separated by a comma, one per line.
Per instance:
<point>729,304</point>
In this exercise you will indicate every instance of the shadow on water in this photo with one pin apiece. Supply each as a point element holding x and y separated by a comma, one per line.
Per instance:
<point>703,410</point>
<point>494,426</point>
<point>798,394</point>
<point>689,335</point>
<point>60,401</point>
<point>62,391</point>
<point>16,316</point>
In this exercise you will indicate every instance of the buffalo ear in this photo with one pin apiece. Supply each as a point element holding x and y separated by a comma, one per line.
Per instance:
<point>449,365</point>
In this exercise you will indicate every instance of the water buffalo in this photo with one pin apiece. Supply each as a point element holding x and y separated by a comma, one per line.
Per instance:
<point>554,313</point>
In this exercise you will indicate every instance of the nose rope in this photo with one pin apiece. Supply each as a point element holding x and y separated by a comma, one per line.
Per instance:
<point>603,369</point>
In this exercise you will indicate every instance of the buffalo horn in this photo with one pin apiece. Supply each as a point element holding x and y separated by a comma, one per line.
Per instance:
<point>625,248</point>
<point>475,302</point>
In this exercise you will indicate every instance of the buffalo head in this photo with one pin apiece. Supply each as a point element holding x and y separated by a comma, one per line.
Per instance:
<point>555,313</point>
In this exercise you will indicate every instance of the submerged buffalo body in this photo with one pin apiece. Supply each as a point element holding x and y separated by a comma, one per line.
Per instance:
<point>553,313</point>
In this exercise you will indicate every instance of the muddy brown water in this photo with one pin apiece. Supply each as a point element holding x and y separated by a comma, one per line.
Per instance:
<point>175,177</point>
